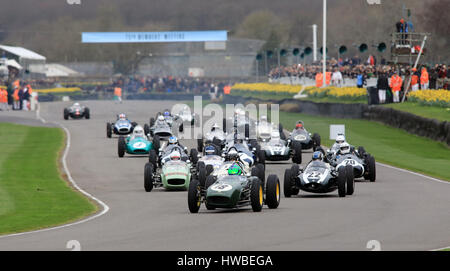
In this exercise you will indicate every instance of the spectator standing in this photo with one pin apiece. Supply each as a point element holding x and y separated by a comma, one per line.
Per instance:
<point>382,86</point>
<point>396,86</point>
<point>16,98</point>
<point>26,99</point>
<point>336,78</point>
<point>360,80</point>
<point>118,94</point>
<point>414,80</point>
<point>319,80</point>
<point>3,99</point>
<point>424,79</point>
<point>10,91</point>
<point>20,98</point>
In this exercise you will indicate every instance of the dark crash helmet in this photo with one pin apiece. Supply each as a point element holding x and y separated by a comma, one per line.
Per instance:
<point>210,150</point>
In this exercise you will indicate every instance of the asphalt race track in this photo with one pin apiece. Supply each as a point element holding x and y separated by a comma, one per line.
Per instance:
<point>402,211</point>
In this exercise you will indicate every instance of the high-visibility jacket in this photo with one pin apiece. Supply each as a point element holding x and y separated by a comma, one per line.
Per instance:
<point>117,92</point>
<point>16,94</point>
<point>226,90</point>
<point>414,79</point>
<point>16,83</point>
<point>327,78</point>
<point>319,80</point>
<point>30,90</point>
<point>3,96</point>
<point>424,77</point>
<point>396,83</point>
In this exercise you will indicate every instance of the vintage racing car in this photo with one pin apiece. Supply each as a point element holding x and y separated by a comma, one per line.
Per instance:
<point>122,126</point>
<point>76,111</point>
<point>136,143</point>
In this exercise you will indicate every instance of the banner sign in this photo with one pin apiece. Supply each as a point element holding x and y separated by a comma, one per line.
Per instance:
<point>142,37</point>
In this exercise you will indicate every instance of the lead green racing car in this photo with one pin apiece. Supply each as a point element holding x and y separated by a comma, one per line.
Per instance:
<point>233,186</point>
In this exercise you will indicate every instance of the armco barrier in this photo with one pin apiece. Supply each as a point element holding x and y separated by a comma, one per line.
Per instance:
<point>430,128</point>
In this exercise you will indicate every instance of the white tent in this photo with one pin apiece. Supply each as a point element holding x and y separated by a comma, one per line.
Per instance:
<point>22,53</point>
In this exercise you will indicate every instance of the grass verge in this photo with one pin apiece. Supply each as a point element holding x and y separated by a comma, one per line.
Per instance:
<point>431,112</point>
<point>388,145</point>
<point>32,193</point>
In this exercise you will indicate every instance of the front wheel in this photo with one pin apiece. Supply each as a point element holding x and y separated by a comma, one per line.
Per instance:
<point>316,141</point>
<point>273,192</point>
<point>194,196</point>
<point>108,130</point>
<point>297,156</point>
<point>148,177</point>
<point>372,168</point>
<point>87,113</point>
<point>194,156</point>
<point>342,181</point>
<point>121,147</point>
<point>350,180</point>
<point>256,195</point>
<point>66,114</point>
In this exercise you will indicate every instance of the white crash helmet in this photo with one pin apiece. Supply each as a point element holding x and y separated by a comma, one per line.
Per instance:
<point>344,148</point>
<point>340,139</point>
<point>76,104</point>
<point>161,118</point>
<point>175,156</point>
<point>138,131</point>
<point>122,116</point>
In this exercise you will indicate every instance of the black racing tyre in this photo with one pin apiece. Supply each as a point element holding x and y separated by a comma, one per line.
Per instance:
<point>209,169</point>
<point>273,191</point>
<point>295,169</point>
<point>247,130</point>
<point>224,125</point>
<point>217,142</point>
<point>66,114</point>
<point>316,141</point>
<point>280,129</point>
<point>87,113</point>
<point>342,181</point>
<point>297,156</point>
<point>156,143</point>
<point>200,144</point>
<point>193,155</point>
<point>361,151</point>
<point>146,129</point>
<point>121,146</point>
<point>350,180</point>
<point>201,174</point>
<point>262,173</point>
<point>256,195</point>
<point>261,157</point>
<point>253,143</point>
<point>372,168</point>
<point>134,124</point>
<point>257,171</point>
<point>148,177</point>
<point>152,121</point>
<point>209,181</point>
<point>153,158</point>
<point>108,130</point>
<point>194,196</point>
<point>287,183</point>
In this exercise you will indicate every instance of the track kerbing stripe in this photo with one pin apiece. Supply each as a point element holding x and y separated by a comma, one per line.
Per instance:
<point>74,184</point>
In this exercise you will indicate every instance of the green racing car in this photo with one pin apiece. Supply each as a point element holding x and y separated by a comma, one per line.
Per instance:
<point>136,143</point>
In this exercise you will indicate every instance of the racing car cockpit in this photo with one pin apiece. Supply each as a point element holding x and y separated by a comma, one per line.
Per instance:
<point>138,131</point>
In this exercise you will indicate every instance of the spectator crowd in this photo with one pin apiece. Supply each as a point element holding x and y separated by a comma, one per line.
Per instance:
<point>15,96</point>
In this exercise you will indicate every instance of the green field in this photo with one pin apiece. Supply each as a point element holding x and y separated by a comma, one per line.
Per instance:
<point>32,193</point>
<point>388,145</point>
<point>263,95</point>
<point>432,112</point>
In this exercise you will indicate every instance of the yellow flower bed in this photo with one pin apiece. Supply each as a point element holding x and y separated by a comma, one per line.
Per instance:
<point>266,87</point>
<point>57,90</point>
<point>439,97</point>
<point>351,93</point>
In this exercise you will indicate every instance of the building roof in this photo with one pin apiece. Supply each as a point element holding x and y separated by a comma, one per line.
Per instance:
<point>22,52</point>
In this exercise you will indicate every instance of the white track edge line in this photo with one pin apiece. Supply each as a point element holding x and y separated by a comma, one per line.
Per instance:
<point>74,184</point>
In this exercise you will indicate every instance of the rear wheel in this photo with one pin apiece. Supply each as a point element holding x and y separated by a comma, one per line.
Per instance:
<point>181,128</point>
<point>209,169</point>
<point>350,180</point>
<point>152,121</point>
<point>194,156</point>
<point>66,114</point>
<point>194,196</point>
<point>295,169</point>
<point>121,146</point>
<point>108,130</point>
<point>148,177</point>
<point>297,156</point>
<point>273,192</point>
<point>256,195</point>
<point>261,157</point>
<point>152,158</point>
<point>342,181</point>
<point>87,113</point>
<point>146,129</point>
<point>201,173</point>
<point>156,143</point>
<point>200,144</point>
<point>361,151</point>
<point>317,141</point>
